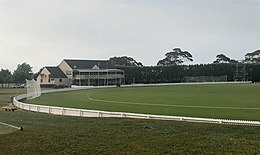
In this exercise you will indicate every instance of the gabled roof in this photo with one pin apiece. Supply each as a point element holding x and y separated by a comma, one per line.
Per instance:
<point>56,72</point>
<point>88,64</point>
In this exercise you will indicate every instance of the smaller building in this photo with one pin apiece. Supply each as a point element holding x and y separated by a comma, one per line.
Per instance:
<point>51,76</point>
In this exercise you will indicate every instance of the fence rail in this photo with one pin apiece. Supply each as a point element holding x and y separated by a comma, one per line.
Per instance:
<point>98,113</point>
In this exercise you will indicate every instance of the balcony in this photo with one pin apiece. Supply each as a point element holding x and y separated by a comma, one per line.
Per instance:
<point>110,76</point>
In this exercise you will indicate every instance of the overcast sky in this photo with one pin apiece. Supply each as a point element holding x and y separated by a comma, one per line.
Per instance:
<point>43,32</point>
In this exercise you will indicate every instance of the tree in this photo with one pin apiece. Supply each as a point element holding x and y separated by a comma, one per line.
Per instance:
<point>253,57</point>
<point>176,57</point>
<point>221,58</point>
<point>5,76</point>
<point>22,72</point>
<point>124,61</point>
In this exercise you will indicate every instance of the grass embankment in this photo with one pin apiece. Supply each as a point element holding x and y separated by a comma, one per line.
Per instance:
<point>229,101</point>
<point>49,134</point>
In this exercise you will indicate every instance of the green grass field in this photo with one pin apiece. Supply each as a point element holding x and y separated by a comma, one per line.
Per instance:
<point>229,101</point>
<point>50,134</point>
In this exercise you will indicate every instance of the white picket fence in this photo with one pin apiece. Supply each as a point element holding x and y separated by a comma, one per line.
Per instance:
<point>97,113</point>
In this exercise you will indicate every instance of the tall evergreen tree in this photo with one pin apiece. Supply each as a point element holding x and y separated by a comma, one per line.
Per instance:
<point>22,72</point>
<point>124,61</point>
<point>5,76</point>
<point>176,57</point>
<point>221,58</point>
<point>253,57</point>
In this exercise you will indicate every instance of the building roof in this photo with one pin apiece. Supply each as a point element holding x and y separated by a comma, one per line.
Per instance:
<point>89,64</point>
<point>56,72</point>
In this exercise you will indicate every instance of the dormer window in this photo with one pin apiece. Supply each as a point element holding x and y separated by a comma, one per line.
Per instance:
<point>95,67</point>
<point>68,73</point>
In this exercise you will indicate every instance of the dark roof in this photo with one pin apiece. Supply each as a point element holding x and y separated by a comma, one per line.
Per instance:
<point>88,64</point>
<point>56,72</point>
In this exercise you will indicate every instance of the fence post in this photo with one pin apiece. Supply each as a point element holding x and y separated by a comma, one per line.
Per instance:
<point>63,111</point>
<point>49,110</point>
<point>99,114</point>
<point>80,113</point>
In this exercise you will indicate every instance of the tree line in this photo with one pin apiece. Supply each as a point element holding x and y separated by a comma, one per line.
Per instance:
<point>169,69</point>
<point>177,73</point>
<point>22,72</point>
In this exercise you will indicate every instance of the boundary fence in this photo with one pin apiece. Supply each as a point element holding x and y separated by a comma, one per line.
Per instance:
<point>98,113</point>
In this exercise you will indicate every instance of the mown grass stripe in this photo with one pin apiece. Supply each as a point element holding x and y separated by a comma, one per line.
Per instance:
<point>12,126</point>
<point>171,105</point>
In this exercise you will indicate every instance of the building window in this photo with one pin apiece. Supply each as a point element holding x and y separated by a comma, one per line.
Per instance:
<point>49,80</point>
<point>68,73</point>
<point>41,80</point>
<point>60,80</point>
